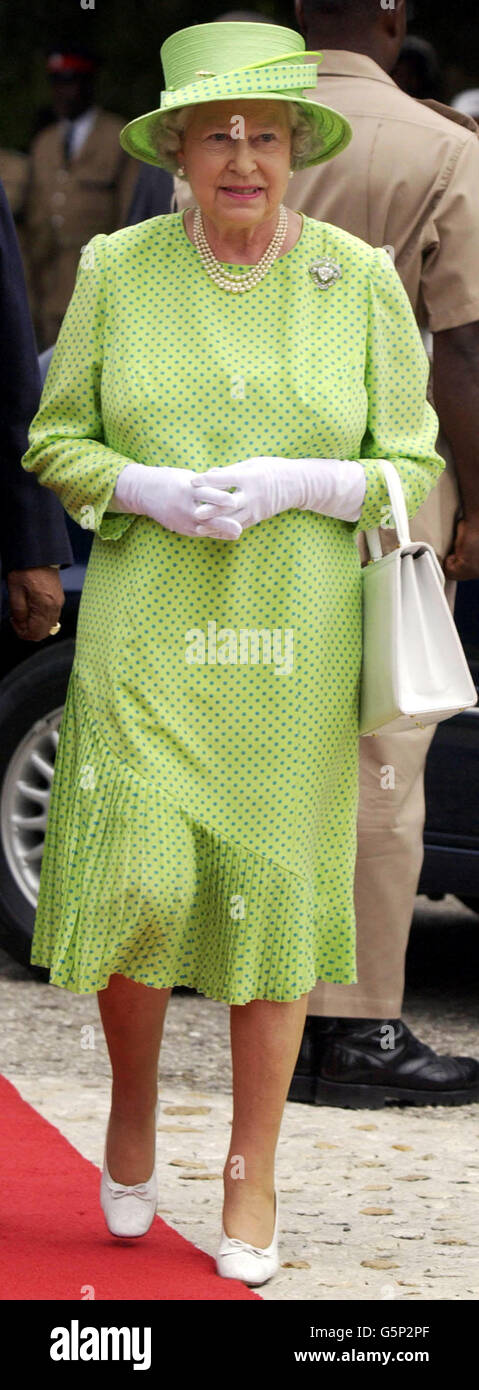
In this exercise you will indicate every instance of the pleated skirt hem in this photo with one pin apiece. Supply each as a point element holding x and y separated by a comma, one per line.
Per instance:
<point>133,884</point>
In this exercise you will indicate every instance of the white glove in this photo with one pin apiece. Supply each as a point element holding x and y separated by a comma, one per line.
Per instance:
<point>266,486</point>
<point>166,495</point>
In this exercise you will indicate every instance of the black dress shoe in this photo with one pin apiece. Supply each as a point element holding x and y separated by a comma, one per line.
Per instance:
<point>350,1062</point>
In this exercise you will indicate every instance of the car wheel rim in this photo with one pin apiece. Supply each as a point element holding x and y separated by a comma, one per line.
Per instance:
<point>24,803</point>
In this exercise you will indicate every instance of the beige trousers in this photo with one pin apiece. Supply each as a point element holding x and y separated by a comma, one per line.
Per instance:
<point>391,815</point>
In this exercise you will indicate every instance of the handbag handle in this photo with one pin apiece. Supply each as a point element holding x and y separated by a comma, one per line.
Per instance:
<point>398,508</point>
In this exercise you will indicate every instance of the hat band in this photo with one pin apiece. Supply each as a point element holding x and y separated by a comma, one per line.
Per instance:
<point>271,77</point>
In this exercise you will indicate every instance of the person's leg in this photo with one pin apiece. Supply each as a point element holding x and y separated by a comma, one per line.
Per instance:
<point>133,1016</point>
<point>357,1050</point>
<point>389,858</point>
<point>265,1040</point>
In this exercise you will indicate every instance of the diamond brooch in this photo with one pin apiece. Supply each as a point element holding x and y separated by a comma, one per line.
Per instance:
<point>325,272</point>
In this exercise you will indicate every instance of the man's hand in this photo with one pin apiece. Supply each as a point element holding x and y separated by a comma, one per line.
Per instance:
<point>456,398</point>
<point>463,562</point>
<point>36,600</point>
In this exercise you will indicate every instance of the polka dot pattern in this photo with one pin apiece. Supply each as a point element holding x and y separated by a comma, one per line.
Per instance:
<point>202,823</point>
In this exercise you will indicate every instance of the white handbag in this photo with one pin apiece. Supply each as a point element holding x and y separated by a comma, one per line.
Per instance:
<point>414,670</point>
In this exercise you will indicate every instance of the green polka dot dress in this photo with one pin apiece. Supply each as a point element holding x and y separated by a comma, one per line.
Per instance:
<point>202,821</point>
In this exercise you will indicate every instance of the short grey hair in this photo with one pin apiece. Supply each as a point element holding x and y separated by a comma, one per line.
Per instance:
<point>168,136</point>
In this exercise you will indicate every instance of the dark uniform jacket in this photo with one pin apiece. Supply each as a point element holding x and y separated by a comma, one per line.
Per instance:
<point>32,521</point>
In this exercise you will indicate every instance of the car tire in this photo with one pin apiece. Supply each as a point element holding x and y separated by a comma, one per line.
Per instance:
<point>32,698</point>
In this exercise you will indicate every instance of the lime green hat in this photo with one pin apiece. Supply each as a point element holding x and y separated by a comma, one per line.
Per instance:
<point>211,62</point>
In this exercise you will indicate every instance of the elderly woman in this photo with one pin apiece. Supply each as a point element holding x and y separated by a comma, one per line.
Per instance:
<point>222,389</point>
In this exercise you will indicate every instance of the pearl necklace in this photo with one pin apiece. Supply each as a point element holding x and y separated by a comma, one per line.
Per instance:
<point>224,278</point>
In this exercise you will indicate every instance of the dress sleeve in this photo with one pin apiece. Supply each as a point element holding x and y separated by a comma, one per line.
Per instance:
<point>401,425</point>
<point>66,437</point>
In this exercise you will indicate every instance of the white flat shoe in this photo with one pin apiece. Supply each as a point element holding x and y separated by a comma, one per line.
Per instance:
<point>128,1210</point>
<point>250,1263</point>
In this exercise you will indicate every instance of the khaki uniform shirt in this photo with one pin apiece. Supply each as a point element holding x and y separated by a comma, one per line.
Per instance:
<point>14,169</point>
<point>66,205</point>
<point>409,179</point>
<point>14,176</point>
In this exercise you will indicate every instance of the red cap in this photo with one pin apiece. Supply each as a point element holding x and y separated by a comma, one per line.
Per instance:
<point>69,62</point>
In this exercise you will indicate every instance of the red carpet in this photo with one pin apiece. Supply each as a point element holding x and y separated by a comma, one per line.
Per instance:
<point>53,1238</point>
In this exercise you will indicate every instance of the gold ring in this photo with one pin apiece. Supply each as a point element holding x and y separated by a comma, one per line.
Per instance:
<point>55,629</point>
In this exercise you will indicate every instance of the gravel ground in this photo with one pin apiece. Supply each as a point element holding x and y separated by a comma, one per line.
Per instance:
<point>373,1204</point>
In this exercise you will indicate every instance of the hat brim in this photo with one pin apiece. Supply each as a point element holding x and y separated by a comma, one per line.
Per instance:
<point>332,130</point>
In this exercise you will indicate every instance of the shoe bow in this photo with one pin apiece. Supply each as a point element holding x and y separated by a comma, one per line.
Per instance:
<point>244,1247</point>
<point>141,1189</point>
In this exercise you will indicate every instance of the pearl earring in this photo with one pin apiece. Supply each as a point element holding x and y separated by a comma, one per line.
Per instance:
<point>180,170</point>
<point>291,173</point>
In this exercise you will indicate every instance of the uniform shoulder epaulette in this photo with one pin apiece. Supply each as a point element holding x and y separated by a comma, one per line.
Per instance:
<point>450,112</point>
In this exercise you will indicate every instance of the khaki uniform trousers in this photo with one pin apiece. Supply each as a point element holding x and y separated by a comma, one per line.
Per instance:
<point>391,818</point>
